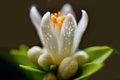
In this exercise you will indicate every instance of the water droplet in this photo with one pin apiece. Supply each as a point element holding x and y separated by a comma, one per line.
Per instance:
<point>50,36</point>
<point>53,47</point>
<point>66,38</point>
<point>66,27</point>
<point>65,48</point>
<point>70,22</point>
<point>47,38</point>
<point>46,41</point>
<point>64,35</point>
<point>71,29</point>
<point>69,43</point>
<point>69,32</point>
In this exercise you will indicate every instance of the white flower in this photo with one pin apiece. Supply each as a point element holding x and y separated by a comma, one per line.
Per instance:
<point>59,32</point>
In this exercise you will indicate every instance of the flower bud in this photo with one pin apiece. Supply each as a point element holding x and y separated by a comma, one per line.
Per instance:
<point>67,68</point>
<point>33,53</point>
<point>45,61</point>
<point>50,76</point>
<point>81,57</point>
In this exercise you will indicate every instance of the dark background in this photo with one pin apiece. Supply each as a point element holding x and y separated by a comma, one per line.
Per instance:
<point>103,29</point>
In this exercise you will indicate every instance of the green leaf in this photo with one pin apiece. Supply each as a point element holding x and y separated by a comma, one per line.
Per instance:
<point>4,55</point>
<point>31,68</point>
<point>98,54</point>
<point>117,51</point>
<point>32,73</point>
<point>89,69</point>
<point>21,51</point>
<point>20,56</point>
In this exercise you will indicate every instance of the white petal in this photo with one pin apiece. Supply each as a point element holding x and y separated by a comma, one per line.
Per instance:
<point>80,30</point>
<point>35,17</point>
<point>67,35</point>
<point>36,20</point>
<point>48,34</point>
<point>57,32</point>
<point>67,8</point>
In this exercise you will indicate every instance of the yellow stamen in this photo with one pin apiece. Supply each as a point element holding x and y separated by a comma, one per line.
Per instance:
<point>57,19</point>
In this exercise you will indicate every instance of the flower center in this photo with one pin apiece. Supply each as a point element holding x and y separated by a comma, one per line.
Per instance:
<point>57,19</point>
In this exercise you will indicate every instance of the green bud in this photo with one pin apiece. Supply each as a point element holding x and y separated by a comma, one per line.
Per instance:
<point>45,61</point>
<point>34,53</point>
<point>81,57</point>
<point>67,68</point>
<point>50,76</point>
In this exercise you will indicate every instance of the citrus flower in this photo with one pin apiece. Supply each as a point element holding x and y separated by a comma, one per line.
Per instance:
<point>60,58</point>
<point>59,32</point>
<point>60,35</point>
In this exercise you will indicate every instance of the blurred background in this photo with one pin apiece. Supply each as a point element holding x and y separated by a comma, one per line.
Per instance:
<point>103,29</point>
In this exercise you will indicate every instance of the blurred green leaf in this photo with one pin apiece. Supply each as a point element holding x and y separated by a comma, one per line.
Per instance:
<point>4,55</point>
<point>89,69</point>
<point>31,68</point>
<point>99,54</point>
<point>116,50</point>
<point>20,56</point>
<point>21,51</point>
<point>32,73</point>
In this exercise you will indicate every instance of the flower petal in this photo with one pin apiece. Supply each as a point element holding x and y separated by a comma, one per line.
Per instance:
<point>67,35</point>
<point>67,8</point>
<point>48,35</point>
<point>36,20</point>
<point>35,17</point>
<point>80,30</point>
